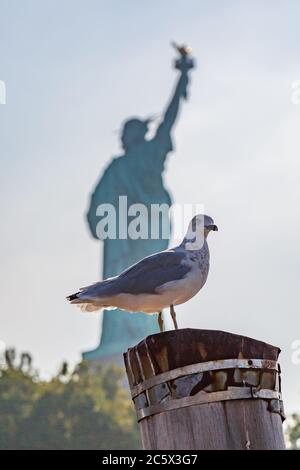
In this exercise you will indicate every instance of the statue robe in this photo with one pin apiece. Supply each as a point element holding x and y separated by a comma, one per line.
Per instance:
<point>137,175</point>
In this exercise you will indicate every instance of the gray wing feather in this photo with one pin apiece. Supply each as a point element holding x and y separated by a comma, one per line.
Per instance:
<point>146,275</point>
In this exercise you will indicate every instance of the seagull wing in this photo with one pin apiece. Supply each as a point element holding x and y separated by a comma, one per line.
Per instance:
<point>152,272</point>
<point>144,277</point>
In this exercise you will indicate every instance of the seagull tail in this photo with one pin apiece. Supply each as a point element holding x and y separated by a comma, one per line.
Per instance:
<point>73,297</point>
<point>84,304</point>
<point>87,300</point>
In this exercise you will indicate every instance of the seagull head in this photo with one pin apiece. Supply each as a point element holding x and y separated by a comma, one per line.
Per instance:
<point>199,228</point>
<point>209,224</point>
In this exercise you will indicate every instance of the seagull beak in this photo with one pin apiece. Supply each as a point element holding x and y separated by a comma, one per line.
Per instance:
<point>214,228</point>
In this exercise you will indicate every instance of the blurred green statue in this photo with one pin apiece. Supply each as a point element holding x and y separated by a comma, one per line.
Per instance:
<point>137,174</point>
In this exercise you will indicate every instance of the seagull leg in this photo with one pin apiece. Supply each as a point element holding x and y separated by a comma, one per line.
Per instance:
<point>160,322</point>
<point>173,315</point>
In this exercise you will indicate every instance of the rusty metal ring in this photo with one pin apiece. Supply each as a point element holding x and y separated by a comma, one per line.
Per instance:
<point>232,393</point>
<point>203,367</point>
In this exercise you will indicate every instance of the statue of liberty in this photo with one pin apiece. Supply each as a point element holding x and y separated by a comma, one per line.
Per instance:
<point>137,174</point>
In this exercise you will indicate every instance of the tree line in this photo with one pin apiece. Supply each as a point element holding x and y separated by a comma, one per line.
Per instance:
<point>86,408</point>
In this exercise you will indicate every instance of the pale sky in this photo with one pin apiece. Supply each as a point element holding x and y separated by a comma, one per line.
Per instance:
<point>74,70</point>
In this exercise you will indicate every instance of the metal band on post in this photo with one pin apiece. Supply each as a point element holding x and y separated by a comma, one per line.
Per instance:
<point>203,367</point>
<point>204,397</point>
<point>234,393</point>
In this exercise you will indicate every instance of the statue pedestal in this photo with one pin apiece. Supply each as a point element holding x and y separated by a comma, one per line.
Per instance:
<point>110,353</point>
<point>120,331</point>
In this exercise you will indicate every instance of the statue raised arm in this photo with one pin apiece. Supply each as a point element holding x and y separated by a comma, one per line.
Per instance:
<point>184,64</point>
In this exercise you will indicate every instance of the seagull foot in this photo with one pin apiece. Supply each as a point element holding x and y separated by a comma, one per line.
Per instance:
<point>160,322</point>
<point>173,315</point>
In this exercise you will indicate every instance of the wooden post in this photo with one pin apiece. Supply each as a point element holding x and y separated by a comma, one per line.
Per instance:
<point>203,389</point>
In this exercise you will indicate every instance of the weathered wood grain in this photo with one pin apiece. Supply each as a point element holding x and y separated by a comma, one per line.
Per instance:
<point>235,425</point>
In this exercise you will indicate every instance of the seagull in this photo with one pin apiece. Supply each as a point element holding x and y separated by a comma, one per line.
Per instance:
<point>162,280</point>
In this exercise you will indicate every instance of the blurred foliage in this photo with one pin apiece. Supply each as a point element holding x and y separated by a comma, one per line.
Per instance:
<point>292,432</point>
<point>84,409</point>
